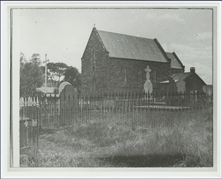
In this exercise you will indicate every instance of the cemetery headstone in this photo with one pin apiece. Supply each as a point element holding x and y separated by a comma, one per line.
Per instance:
<point>68,103</point>
<point>148,86</point>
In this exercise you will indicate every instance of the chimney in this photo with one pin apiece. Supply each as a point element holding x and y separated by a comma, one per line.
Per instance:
<point>192,70</point>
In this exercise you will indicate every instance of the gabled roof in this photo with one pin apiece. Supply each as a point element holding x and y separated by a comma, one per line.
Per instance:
<point>175,61</point>
<point>184,76</point>
<point>132,47</point>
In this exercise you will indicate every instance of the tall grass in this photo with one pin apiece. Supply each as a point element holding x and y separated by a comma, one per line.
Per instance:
<point>185,137</point>
<point>169,139</point>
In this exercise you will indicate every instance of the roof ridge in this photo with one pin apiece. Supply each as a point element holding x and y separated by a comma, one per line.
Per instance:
<point>125,34</point>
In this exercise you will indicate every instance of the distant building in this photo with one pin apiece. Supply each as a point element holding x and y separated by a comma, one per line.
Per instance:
<point>51,89</point>
<point>48,90</point>
<point>188,82</point>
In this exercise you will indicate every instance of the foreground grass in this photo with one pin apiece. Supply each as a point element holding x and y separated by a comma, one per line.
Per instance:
<point>182,139</point>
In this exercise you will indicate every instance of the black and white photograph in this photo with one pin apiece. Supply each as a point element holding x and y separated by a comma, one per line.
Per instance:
<point>127,87</point>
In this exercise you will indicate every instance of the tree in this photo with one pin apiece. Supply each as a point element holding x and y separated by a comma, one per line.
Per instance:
<point>31,76</point>
<point>58,69</point>
<point>35,59</point>
<point>55,71</point>
<point>73,76</point>
<point>22,59</point>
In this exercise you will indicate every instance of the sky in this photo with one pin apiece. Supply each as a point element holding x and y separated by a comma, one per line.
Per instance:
<point>62,34</point>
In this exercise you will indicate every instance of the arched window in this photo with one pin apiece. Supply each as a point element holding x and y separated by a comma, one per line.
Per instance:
<point>141,76</point>
<point>154,75</point>
<point>125,74</point>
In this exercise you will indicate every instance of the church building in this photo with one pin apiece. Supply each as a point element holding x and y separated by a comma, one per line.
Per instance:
<point>114,62</point>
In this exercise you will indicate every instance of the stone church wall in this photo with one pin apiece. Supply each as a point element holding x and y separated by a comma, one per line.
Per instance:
<point>125,74</point>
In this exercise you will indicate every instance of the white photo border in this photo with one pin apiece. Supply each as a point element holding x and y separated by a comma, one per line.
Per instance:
<point>10,92</point>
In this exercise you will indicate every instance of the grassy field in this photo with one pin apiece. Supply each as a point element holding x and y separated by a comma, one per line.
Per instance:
<point>174,139</point>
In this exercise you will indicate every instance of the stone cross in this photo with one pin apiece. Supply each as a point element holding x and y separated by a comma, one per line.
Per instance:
<point>147,70</point>
<point>148,86</point>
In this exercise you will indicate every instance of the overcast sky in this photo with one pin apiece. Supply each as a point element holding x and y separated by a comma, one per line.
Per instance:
<point>63,33</point>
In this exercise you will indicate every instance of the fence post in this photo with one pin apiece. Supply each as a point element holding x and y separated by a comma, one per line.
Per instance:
<point>109,103</point>
<point>146,108</point>
<point>79,108</point>
<point>90,107</point>
<point>32,117</point>
<point>102,99</point>
<point>25,106</point>
<point>40,111</point>
<point>111,111</point>
<point>185,99</point>
<point>87,108</point>
<point>73,109</point>
<point>136,108</point>
<point>205,97</point>
<point>192,99</point>
<point>123,107</point>
<point>82,108</point>
<point>38,116</point>
<point>115,105</point>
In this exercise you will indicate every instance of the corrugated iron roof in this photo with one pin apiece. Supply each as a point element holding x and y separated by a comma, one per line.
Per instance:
<point>174,61</point>
<point>131,47</point>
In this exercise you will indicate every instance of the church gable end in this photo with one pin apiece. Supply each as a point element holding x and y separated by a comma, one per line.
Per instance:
<point>94,64</point>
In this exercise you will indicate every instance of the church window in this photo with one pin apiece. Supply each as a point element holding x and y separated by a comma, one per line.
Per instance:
<point>125,73</point>
<point>141,76</point>
<point>154,75</point>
